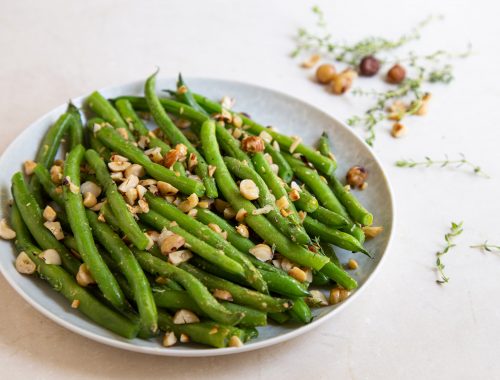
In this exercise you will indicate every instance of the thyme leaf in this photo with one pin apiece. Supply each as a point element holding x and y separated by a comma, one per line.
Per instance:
<point>485,247</point>
<point>455,230</point>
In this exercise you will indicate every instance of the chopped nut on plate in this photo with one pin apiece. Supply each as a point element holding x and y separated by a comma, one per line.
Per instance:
<point>24,264</point>
<point>249,189</point>
<point>263,252</point>
<point>356,176</point>
<point>184,316</point>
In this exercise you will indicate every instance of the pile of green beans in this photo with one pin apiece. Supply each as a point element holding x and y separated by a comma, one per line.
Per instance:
<point>153,231</point>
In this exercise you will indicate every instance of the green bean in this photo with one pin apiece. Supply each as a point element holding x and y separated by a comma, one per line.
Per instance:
<point>324,145</point>
<point>65,284</point>
<point>351,203</point>
<point>241,243</point>
<point>300,311</point>
<point>348,200</point>
<point>320,279</point>
<point>175,300</point>
<point>32,216</point>
<point>196,245</point>
<point>279,318</point>
<point>285,172</point>
<point>126,110</point>
<point>258,223</point>
<point>83,234</point>
<point>184,95</point>
<point>129,266</point>
<point>94,142</point>
<point>171,106</point>
<point>115,142</point>
<point>144,331</point>
<point>180,299</point>
<point>324,164</point>
<point>228,142</point>
<point>126,221</point>
<point>104,109</point>
<point>205,234</point>
<point>249,333</point>
<point>330,218</point>
<point>325,195</point>
<point>339,275</point>
<point>277,281</point>
<point>110,217</point>
<point>253,318</point>
<point>330,253</point>
<point>288,227</point>
<point>335,237</point>
<point>241,295</point>
<point>52,140</point>
<point>23,238</point>
<point>231,146</point>
<point>127,113</point>
<point>76,127</point>
<point>307,202</point>
<point>176,136</point>
<point>272,180</point>
<point>316,183</point>
<point>54,192</point>
<point>48,150</point>
<point>198,292</point>
<point>209,333</point>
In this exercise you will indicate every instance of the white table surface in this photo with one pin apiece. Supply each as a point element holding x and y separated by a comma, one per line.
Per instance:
<point>404,325</point>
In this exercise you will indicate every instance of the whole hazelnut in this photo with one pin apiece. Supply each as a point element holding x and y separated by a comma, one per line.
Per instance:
<point>396,74</point>
<point>369,66</point>
<point>325,73</point>
<point>356,176</point>
<point>343,81</point>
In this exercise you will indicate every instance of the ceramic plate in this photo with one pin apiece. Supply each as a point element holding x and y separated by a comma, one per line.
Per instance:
<point>291,116</point>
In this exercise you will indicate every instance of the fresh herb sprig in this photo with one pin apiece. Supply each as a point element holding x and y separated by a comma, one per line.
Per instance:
<point>455,230</point>
<point>422,69</point>
<point>454,163</point>
<point>485,247</point>
<point>321,41</point>
<point>377,113</point>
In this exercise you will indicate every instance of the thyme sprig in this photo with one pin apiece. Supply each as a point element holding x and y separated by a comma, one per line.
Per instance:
<point>485,247</point>
<point>422,69</point>
<point>455,230</point>
<point>321,41</point>
<point>377,113</point>
<point>425,69</point>
<point>455,163</point>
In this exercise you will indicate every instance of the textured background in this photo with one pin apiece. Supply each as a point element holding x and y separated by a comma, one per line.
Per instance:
<point>404,325</point>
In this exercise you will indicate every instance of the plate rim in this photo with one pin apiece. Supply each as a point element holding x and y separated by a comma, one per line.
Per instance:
<point>208,352</point>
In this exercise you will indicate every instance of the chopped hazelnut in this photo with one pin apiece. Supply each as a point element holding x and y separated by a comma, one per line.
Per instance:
<point>249,189</point>
<point>29,167</point>
<point>372,231</point>
<point>49,214</point>
<point>398,130</point>
<point>263,252</point>
<point>24,264</point>
<point>311,61</point>
<point>356,176</point>
<point>252,144</point>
